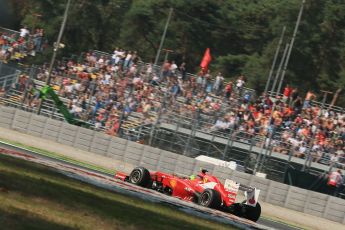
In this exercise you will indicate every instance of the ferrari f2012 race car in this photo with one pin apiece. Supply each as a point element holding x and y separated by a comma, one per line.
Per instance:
<point>204,189</point>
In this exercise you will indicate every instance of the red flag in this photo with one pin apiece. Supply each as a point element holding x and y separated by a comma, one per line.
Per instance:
<point>206,60</point>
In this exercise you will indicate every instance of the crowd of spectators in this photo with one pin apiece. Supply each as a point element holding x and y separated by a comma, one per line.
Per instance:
<point>307,130</point>
<point>291,125</point>
<point>106,90</point>
<point>17,45</point>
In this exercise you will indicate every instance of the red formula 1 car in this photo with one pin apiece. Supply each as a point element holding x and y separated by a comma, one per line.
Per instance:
<point>204,189</point>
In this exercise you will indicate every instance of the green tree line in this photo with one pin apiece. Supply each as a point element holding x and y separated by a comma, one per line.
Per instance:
<point>242,34</point>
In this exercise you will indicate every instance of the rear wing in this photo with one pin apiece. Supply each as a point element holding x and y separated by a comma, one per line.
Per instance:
<point>251,193</point>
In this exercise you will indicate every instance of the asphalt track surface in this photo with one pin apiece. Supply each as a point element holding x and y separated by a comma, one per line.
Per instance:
<point>107,181</point>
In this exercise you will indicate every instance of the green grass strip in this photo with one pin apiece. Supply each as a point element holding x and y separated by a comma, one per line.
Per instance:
<point>58,156</point>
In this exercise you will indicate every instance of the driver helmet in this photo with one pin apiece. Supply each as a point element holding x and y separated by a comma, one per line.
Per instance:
<point>202,173</point>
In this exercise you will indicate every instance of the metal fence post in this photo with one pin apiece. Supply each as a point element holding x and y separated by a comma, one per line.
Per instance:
<point>139,132</point>
<point>288,163</point>
<point>250,150</point>
<point>210,144</point>
<point>4,83</point>
<point>122,118</point>
<point>229,143</point>
<point>276,78</point>
<point>258,158</point>
<point>274,60</point>
<point>175,132</point>
<point>25,93</point>
<point>187,147</point>
<point>267,150</point>
<point>154,125</point>
<point>17,76</point>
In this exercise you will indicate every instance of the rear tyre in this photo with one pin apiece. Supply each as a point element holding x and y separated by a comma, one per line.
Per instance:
<point>140,176</point>
<point>235,209</point>
<point>210,198</point>
<point>245,211</point>
<point>252,213</point>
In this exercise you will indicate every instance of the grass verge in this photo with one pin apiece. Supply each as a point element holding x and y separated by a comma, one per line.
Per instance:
<point>33,196</point>
<point>59,157</point>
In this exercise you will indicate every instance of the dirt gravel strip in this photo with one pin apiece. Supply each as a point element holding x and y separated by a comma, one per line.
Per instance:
<point>119,186</point>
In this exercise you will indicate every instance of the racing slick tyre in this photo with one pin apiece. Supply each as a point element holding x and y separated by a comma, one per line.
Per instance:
<point>210,198</point>
<point>140,176</point>
<point>252,213</point>
<point>245,211</point>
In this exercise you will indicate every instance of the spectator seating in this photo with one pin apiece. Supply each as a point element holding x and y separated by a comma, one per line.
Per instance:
<point>118,95</point>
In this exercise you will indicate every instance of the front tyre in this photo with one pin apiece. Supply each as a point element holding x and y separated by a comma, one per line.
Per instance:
<point>140,176</point>
<point>210,198</point>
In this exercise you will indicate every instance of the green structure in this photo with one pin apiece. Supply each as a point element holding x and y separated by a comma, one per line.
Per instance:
<point>48,91</point>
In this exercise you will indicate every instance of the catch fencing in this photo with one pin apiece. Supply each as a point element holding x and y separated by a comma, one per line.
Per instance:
<point>317,204</point>
<point>8,76</point>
